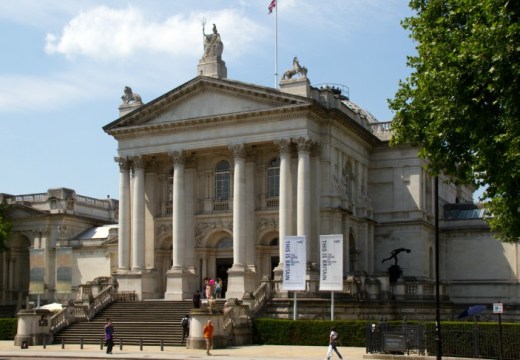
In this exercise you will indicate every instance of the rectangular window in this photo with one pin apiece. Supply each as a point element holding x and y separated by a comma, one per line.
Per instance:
<point>273,179</point>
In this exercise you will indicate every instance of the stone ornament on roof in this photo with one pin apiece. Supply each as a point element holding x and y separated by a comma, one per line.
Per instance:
<point>129,97</point>
<point>296,70</point>
<point>213,46</point>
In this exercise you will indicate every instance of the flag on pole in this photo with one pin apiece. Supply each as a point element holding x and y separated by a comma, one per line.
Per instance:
<point>272,5</point>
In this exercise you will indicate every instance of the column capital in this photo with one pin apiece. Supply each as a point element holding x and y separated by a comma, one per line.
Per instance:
<point>239,151</point>
<point>178,156</point>
<point>138,162</point>
<point>316,149</point>
<point>304,145</point>
<point>123,162</point>
<point>284,145</point>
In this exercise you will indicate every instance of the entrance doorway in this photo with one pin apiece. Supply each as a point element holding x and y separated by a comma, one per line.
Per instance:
<point>275,260</point>
<point>223,265</point>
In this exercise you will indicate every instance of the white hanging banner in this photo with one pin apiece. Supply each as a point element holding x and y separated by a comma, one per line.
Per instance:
<point>295,262</point>
<point>331,261</point>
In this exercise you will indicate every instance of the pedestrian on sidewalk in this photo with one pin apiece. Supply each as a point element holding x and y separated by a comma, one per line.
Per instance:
<point>208,336</point>
<point>109,336</point>
<point>185,322</point>
<point>333,341</point>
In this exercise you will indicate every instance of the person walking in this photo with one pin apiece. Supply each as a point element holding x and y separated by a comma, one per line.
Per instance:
<point>208,336</point>
<point>333,340</point>
<point>109,336</point>
<point>196,299</point>
<point>185,322</point>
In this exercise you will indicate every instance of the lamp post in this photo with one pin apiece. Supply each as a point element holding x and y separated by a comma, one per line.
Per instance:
<point>437,287</point>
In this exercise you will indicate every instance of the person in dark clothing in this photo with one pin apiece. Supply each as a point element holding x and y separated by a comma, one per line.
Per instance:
<point>196,299</point>
<point>185,322</point>
<point>109,336</point>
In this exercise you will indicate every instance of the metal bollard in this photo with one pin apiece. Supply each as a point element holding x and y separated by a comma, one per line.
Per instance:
<point>44,343</point>
<point>141,344</point>
<point>81,343</point>
<point>101,344</point>
<point>63,343</point>
<point>121,344</point>
<point>162,345</point>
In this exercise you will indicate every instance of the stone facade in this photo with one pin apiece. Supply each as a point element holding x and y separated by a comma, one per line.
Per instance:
<point>59,218</point>
<point>215,172</point>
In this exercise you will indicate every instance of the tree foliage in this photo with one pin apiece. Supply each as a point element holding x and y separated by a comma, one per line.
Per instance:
<point>461,103</point>
<point>5,227</point>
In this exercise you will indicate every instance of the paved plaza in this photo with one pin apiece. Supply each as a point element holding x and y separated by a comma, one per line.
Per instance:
<point>253,352</point>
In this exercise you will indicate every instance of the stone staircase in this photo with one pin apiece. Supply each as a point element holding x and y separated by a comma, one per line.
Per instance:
<point>134,322</point>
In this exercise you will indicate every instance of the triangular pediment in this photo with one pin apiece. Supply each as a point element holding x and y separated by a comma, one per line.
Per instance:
<point>205,97</point>
<point>18,211</point>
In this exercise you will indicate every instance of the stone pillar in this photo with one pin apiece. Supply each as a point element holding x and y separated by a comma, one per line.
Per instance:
<point>250,211</point>
<point>240,279</point>
<point>284,227</point>
<point>178,210</point>
<point>138,215</point>
<point>151,191</point>
<point>177,284</point>
<point>239,218</point>
<point>303,206</point>
<point>124,214</point>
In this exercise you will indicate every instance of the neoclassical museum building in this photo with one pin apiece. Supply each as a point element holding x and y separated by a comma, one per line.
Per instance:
<point>216,172</point>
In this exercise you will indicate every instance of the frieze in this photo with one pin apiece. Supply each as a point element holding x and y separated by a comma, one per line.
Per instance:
<point>266,224</point>
<point>202,229</point>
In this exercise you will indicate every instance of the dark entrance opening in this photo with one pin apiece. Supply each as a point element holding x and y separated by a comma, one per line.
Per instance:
<point>223,264</point>
<point>275,260</point>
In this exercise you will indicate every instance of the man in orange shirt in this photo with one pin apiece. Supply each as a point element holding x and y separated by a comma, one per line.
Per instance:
<point>208,336</point>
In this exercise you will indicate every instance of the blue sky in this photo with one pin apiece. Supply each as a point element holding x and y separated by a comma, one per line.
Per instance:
<point>65,63</point>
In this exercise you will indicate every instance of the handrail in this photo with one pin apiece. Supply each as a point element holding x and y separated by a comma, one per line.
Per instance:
<point>81,311</point>
<point>260,296</point>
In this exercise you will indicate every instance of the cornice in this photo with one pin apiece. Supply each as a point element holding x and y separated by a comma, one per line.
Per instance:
<point>209,122</point>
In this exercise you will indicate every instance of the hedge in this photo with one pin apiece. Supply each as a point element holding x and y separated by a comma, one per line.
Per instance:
<point>307,332</point>
<point>8,329</point>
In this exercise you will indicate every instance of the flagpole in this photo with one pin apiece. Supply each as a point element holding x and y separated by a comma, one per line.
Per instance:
<point>276,46</point>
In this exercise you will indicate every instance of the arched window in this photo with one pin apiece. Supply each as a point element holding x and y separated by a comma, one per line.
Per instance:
<point>273,178</point>
<point>225,243</point>
<point>222,181</point>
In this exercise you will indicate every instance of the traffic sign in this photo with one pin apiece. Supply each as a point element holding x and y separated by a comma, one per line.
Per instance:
<point>498,308</point>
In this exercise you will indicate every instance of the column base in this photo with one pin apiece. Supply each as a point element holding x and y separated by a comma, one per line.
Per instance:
<point>240,281</point>
<point>145,284</point>
<point>180,284</point>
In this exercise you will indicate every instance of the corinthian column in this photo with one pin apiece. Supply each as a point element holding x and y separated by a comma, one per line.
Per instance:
<point>124,214</point>
<point>178,233</point>
<point>303,206</point>
<point>138,215</point>
<point>239,206</point>
<point>284,211</point>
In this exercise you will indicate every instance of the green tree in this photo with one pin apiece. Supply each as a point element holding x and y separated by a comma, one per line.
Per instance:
<point>461,103</point>
<point>5,227</point>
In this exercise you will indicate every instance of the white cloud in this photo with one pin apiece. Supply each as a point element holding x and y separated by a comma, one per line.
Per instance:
<point>105,33</point>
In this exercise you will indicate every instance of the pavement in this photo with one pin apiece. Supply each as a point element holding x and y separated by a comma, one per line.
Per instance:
<point>249,352</point>
<point>258,352</point>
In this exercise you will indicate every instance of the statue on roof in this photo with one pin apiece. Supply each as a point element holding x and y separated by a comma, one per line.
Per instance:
<point>297,69</point>
<point>130,97</point>
<point>213,46</point>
